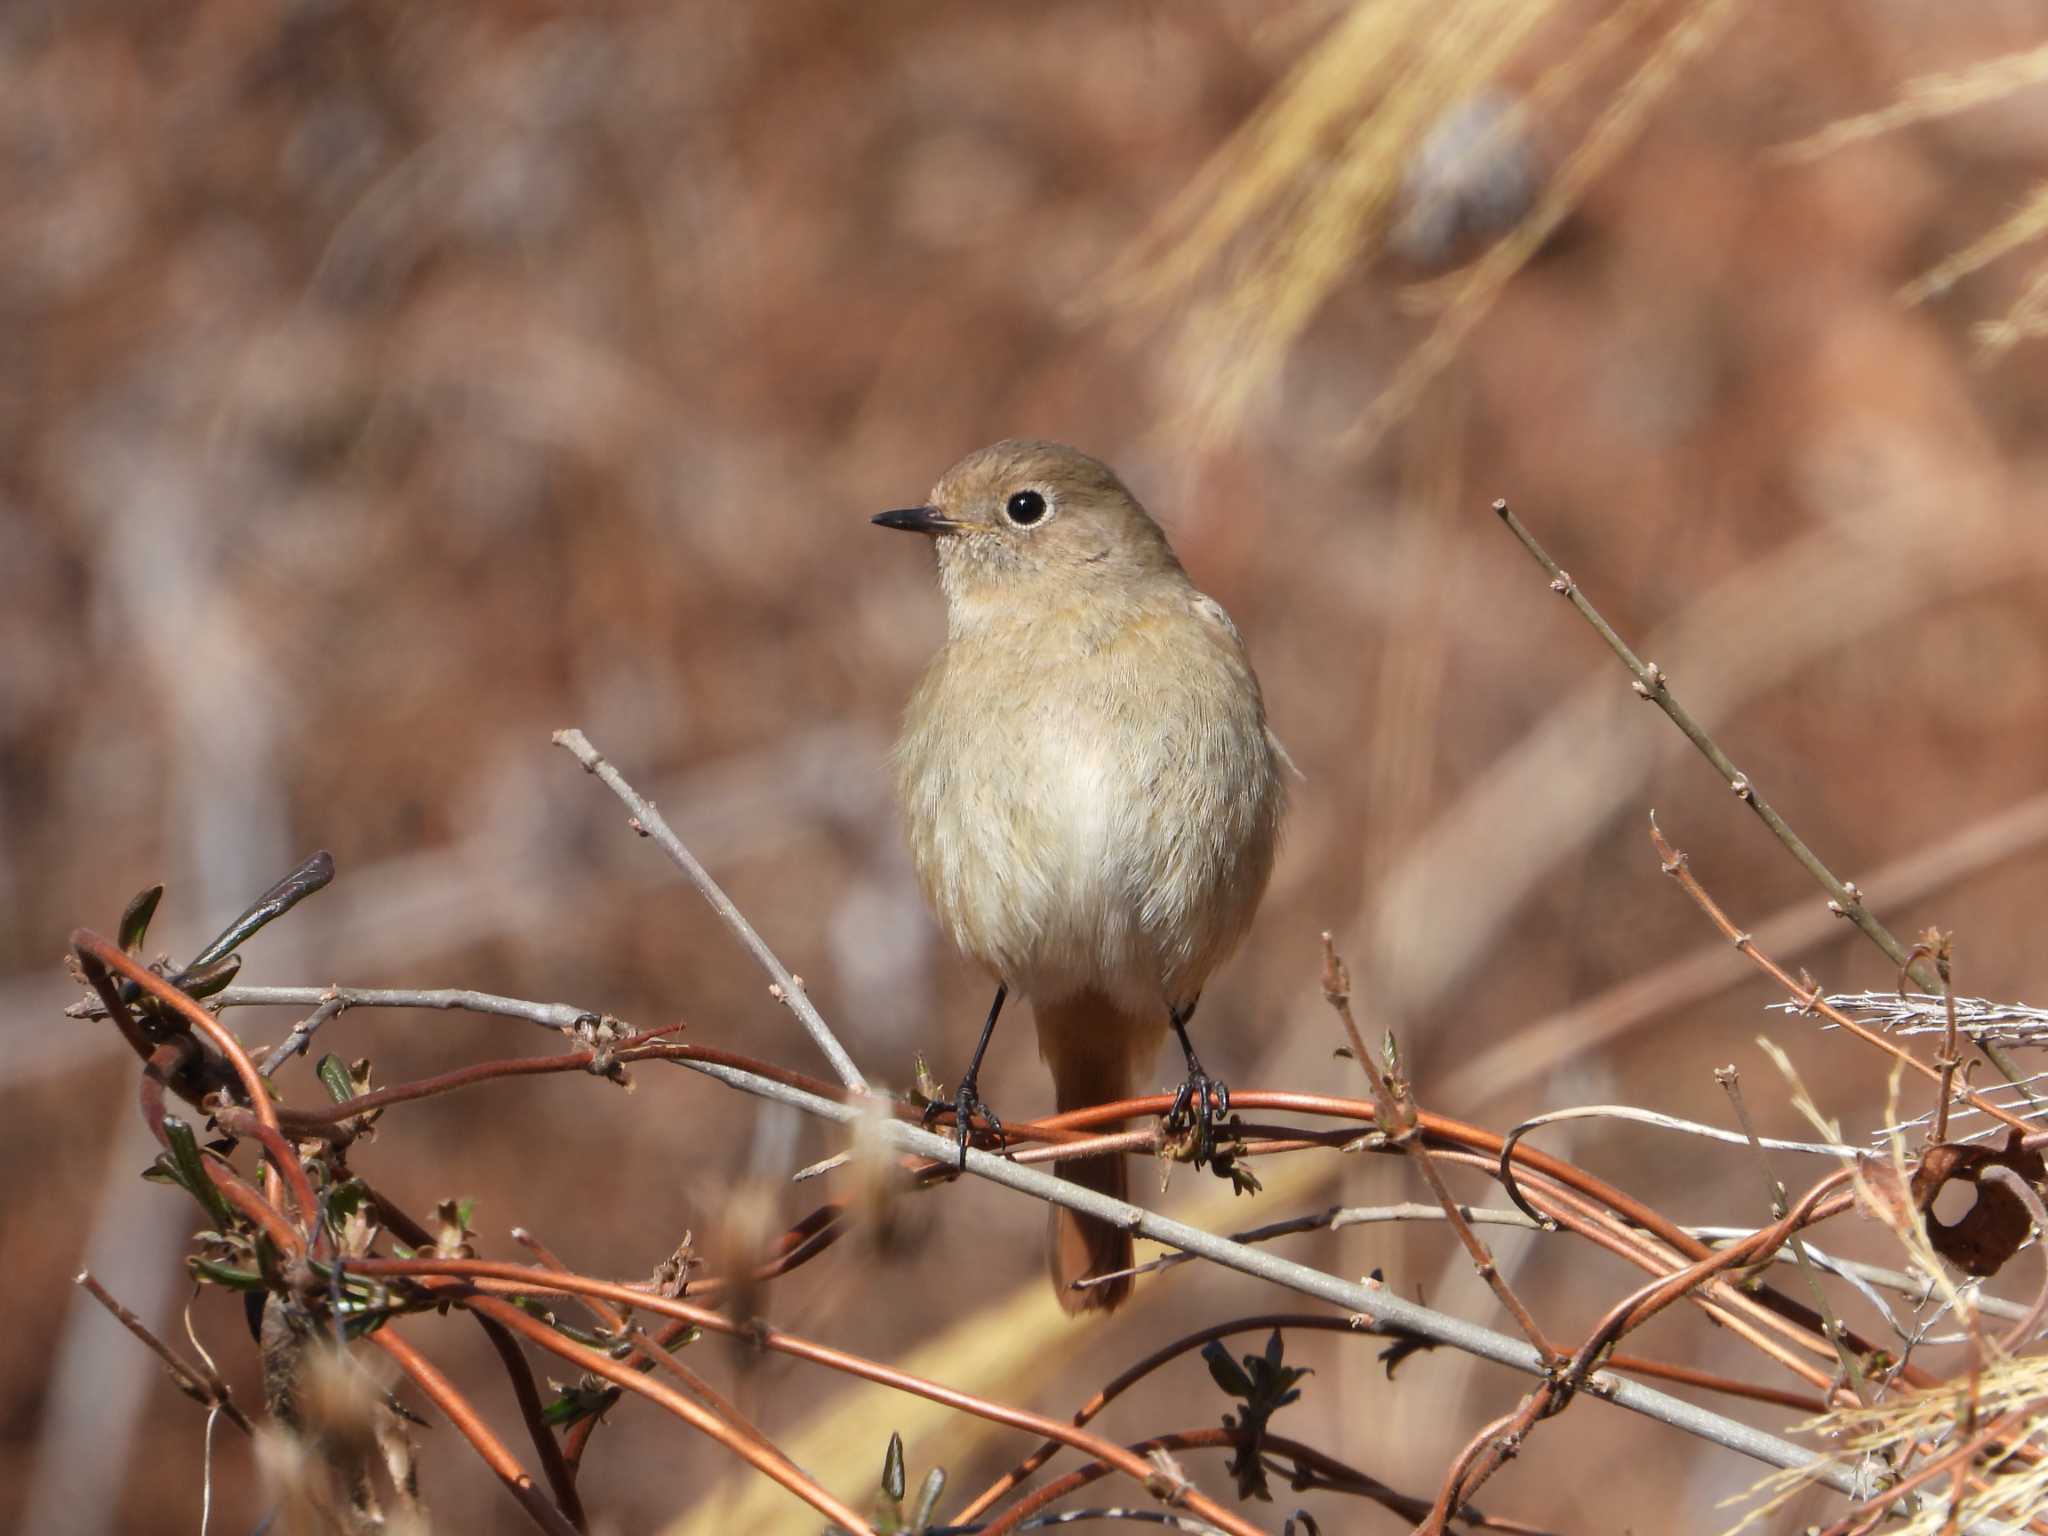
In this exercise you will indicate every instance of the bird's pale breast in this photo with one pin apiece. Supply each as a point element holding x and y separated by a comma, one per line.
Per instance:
<point>1094,807</point>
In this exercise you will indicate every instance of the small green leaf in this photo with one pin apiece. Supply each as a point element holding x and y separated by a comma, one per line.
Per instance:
<point>135,920</point>
<point>928,1498</point>
<point>226,1274</point>
<point>188,1170</point>
<point>892,1467</point>
<point>209,979</point>
<point>1226,1372</point>
<point>576,1403</point>
<point>345,1199</point>
<point>269,1262</point>
<point>360,1325</point>
<point>294,888</point>
<point>334,1077</point>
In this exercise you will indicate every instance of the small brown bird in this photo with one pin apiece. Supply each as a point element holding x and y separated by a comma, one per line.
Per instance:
<point>1092,792</point>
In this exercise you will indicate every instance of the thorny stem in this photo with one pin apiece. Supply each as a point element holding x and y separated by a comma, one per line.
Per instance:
<point>781,1084</point>
<point>302,1034</point>
<point>1650,683</point>
<point>1398,1118</point>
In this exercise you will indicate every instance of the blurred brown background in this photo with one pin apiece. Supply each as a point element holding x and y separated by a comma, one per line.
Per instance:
<point>383,386</point>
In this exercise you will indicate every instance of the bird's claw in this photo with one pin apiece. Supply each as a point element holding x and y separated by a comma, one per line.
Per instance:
<point>1199,1103</point>
<point>966,1105</point>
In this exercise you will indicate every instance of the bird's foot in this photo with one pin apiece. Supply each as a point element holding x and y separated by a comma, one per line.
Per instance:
<point>966,1105</point>
<point>1198,1104</point>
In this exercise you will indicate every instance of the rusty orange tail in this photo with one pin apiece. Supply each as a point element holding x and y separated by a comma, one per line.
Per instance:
<point>1089,1045</point>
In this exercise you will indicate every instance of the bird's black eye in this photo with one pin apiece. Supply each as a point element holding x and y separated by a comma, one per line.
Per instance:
<point>1025,508</point>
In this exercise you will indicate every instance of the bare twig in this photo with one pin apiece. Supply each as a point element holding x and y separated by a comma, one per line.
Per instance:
<point>202,1385</point>
<point>1936,946</point>
<point>302,1034</point>
<point>1655,994</point>
<point>1774,1191</point>
<point>649,823</point>
<point>557,1016</point>
<point>1650,683</point>
<point>561,1478</point>
<point>1398,1120</point>
<point>1915,1287</point>
<point>517,1480</point>
<point>765,1459</point>
<point>1676,865</point>
<point>470,1278</point>
<point>601,1060</point>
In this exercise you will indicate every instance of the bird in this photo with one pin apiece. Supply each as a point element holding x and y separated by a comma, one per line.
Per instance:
<point>1092,795</point>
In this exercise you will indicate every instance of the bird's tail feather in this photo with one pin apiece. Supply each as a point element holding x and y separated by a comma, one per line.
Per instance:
<point>1088,1043</point>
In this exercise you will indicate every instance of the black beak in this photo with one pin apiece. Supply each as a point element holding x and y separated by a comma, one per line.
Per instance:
<point>916,520</point>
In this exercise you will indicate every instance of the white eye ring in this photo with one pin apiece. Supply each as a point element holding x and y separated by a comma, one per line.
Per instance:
<point>1024,508</point>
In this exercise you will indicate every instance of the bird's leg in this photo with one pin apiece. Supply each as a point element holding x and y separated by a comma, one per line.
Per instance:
<point>967,1098</point>
<point>1204,1098</point>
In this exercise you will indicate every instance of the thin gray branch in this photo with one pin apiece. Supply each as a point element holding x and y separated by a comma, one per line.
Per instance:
<point>331,1002</point>
<point>1375,1302</point>
<point>648,821</point>
<point>559,1016</point>
<point>1866,1278</point>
